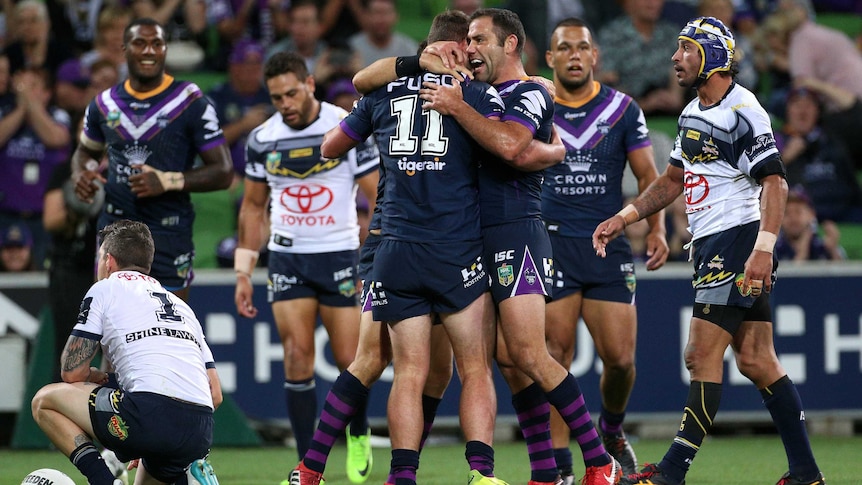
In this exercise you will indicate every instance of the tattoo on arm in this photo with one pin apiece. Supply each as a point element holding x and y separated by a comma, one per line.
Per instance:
<point>78,351</point>
<point>657,196</point>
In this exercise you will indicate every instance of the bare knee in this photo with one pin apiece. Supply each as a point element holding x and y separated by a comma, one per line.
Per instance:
<point>369,368</point>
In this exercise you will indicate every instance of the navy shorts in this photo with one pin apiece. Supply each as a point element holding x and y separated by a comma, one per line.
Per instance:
<point>329,277</point>
<point>366,261</point>
<point>521,255</point>
<point>414,279</point>
<point>577,268</point>
<point>165,433</point>
<point>719,262</point>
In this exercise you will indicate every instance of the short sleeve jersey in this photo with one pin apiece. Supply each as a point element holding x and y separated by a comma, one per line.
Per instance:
<point>429,168</point>
<point>151,336</point>
<point>312,199</point>
<point>507,194</point>
<point>165,129</point>
<point>586,187</point>
<point>724,149</point>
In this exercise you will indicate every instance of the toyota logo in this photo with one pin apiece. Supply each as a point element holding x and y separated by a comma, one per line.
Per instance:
<point>306,199</point>
<point>696,188</point>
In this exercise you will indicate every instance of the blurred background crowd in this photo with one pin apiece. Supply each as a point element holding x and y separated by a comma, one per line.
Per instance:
<point>803,58</point>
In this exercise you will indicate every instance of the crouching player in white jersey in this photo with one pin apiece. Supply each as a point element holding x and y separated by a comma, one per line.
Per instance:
<point>162,412</point>
<point>726,163</point>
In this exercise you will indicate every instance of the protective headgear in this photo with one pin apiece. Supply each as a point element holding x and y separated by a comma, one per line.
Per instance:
<point>714,41</point>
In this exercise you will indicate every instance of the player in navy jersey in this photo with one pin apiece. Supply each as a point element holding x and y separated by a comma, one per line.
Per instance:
<point>429,260</point>
<point>517,245</point>
<point>162,410</point>
<point>603,129</point>
<point>726,164</point>
<point>152,127</point>
<point>314,234</point>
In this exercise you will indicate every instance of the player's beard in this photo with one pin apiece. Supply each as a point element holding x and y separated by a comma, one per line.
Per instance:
<point>575,85</point>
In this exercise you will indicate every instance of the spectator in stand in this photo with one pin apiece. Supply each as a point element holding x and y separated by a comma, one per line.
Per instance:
<point>5,96</point>
<point>103,75</point>
<point>799,239</point>
<point>263,21</point>
<point>108,43</point>
<point>242,103</point>
<point>341,93</point>
<point>16,249</point>
<point>743,51</point>
<point>817,161</point>
<point>76,22</point>
<point>339,20</point>
<point>71,85</point>
<point>378,38</point>
<point>35,47</point>
<point>34,138</point>
<point>824,54</point>
<point>633,47</point>
<point>466,6</point>
<point>71,224</point>
<point>304,38</point>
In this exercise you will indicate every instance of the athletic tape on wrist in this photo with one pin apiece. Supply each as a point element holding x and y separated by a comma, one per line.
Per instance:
<point>629,214</point>
<point>765,241</point>
<point>244,260</point>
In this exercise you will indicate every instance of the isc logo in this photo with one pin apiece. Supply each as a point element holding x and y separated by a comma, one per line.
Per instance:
<point>504,255</point>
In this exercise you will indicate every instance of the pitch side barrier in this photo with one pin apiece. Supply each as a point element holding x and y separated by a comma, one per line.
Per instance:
<point>818,338</point>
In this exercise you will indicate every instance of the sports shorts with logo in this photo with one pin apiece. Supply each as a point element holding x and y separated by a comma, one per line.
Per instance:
<point>366,260</point>
<point>412,279</point>
<point>329,277</point>
<point>520,259</point>
<point>578,268</point>
<point>719,266</point>
<point>165,433</point>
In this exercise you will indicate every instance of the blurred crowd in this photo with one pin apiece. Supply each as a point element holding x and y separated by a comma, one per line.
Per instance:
<point>56,55</point>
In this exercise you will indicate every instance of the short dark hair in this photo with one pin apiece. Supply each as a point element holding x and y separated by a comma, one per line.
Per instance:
<point>130,243</point>
<point>506,23</point>
<point>136,22</point>
<point>573,22</point>
<point>451,25</point>
<point>284,63</point>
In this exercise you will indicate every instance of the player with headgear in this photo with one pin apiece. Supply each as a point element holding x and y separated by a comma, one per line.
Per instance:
<point>729,169</point>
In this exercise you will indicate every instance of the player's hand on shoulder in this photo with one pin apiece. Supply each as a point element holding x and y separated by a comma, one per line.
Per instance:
<point>546,83</point>
<point>442,98</point>
<point>445,57</point>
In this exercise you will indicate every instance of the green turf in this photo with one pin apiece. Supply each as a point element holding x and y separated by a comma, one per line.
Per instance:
<point>723,460</point>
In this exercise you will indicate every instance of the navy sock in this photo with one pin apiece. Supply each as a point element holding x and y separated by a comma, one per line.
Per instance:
<point>569,401</point>
<point>700,409</point>
<point>784,404</point>
<point>403,466</point>
<point>346,396</point>
<point>611,423</point>
<point>88,460</point>
<point>534,418</point>
<point>359,423</point>
<point>429,412</point>
<point>301,400</point>
<point>563,457</point>
<point>480,456</point>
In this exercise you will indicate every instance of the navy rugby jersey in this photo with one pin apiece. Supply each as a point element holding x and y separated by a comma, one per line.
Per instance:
<point>507,194</point>
<point>429,169</point>
<point>164,129</point>
<point>586,187</point>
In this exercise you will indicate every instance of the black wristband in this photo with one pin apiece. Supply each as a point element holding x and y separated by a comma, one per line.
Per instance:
<point>407,66</point>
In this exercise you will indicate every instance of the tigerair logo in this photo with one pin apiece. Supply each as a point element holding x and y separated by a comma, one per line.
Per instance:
<point>410,167</point>
<point>274,167</point>
<point>713,280</point>
<point>117,427</point>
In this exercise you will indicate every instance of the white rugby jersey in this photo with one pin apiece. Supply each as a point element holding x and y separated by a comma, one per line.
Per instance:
<point>312,199</point>
<point>151,336</point>
<point>719,147</point>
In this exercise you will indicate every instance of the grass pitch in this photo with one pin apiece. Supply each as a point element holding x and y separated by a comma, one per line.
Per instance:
<point>757,460</point>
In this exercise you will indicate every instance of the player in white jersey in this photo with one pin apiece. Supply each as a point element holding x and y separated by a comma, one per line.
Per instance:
<point>726,164</point>
<point>314,235</point>
<point>162,411</point>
